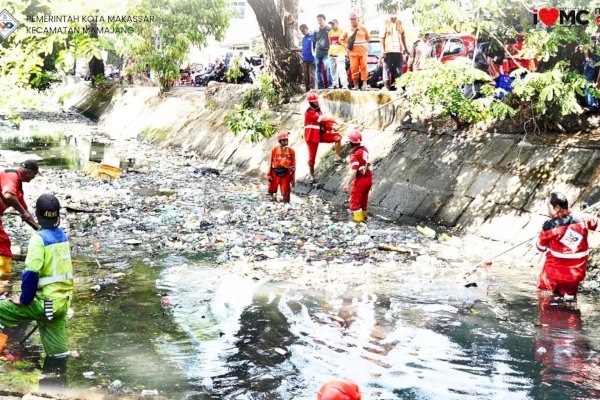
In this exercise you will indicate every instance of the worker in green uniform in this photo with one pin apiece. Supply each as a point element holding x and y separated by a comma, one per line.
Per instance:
<point>47,281</point>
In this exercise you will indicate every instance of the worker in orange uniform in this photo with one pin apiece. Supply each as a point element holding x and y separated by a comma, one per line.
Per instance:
<point>319,129</point>
<point>11,186</point>
<point>282,168</point>
<point>339,389</point>
<point>564,240</point>
<point>356,41</point>
<point>363,178</point>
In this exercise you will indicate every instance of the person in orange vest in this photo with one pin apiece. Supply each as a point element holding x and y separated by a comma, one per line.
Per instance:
<point>339,389</point>
<point>356,41</point>
<point>318,129</point>
<point>282,168</point>
<point>363,178</point>
<point>564,240</point>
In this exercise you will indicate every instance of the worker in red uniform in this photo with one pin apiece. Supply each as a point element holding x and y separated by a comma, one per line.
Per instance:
<point>339,389</point>
<point>11,187</point>
<point>282,168</point>
<point>564,240</point>
<point>319,129</point>
<point>363,178</point>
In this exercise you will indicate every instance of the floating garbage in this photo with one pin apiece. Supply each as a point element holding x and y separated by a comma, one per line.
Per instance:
<point>97,170</point>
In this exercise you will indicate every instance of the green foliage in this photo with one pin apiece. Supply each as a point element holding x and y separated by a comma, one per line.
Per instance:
<point>100,81</point>
<point>438,90</point>
<point>164,44</point>
<point>264,92</point>
<point>268,92</point>
<point>211,105</point>
<point>258,125</point>
<point>234,71</point>
<point>250,98</point>
<point>549,93</point>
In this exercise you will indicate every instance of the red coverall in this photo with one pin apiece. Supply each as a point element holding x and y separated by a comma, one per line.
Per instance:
<point>564,239</point>
<point>359,162</point>
<point>283,162</point>
<point>313,121</point>
<point>10,182</point>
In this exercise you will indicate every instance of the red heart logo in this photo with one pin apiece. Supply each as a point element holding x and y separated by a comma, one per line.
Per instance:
<point>597,20</point>
<point>548,15</point>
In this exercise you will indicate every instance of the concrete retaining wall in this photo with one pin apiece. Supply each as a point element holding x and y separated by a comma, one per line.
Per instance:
<point>486,183</point>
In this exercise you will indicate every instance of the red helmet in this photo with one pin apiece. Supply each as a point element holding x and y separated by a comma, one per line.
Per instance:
<point>355,136</point>
<point>353,15</point>
<point>283,135</point>
<point>339,389</point>
<point>312,97</point>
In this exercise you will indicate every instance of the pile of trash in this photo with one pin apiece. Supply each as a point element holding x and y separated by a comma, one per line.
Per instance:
<point>168,203</point>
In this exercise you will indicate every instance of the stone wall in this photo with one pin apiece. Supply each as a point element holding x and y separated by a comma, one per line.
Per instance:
<point>486,183</point>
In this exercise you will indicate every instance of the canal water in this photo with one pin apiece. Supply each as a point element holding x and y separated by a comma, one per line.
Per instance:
<point>422,335</point>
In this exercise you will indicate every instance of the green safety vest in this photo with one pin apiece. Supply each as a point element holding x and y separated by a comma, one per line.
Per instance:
<point>49,255</point>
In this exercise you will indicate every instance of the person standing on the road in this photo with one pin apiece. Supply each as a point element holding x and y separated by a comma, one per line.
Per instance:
<point>337,56</point>
<point>11,185</point>
<point>321,44</point>
<point>47,281</point>
<point>564,240</point>
<point>393,46</point>
<point>282,168</point>
<point>357,42</point>
<point>319,129</point>
<point>308,58</point>
<point>363,178</point>
<point>421,52</point>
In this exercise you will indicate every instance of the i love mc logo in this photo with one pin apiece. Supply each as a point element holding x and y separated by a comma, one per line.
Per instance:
<point>8,24</point>
<point>550,16</point>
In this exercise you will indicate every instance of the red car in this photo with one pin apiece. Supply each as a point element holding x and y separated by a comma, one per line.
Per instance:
<point>450,46</point>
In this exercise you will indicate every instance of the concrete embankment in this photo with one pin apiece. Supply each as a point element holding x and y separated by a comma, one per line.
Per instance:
<point>491,184</point>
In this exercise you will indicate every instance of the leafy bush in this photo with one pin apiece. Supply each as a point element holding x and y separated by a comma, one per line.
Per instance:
<point>258,125</point>
<point>268,91</point>
<point>549,93</point>
<point>234,71</point>
<point>250,98</point>
<point>438,90</point>
<point>265,91</point>
<point>545,96</point>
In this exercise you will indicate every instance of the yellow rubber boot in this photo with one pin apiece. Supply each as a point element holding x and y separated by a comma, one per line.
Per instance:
<point>364,215</point>
<point>5,265</point>
<point>358,216</point>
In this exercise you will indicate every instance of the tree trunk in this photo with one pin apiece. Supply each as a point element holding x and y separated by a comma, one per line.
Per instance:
<point>278,26</point>
<point>95,65</point>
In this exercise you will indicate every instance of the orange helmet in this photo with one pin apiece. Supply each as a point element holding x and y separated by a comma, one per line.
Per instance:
<point>355,136</point>
<point>353,15</point>
<point>339,389</point>
<point>283,135</point>
<point>312,97</point>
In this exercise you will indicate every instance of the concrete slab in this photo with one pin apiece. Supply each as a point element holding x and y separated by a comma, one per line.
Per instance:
<point>475,215</point>
<point>431,204</point>
<point>403,198</point>
<point>505,223</point>
<point>505,189</point>
<point>497,149</point>
<point>464,178</point>
<point>589,171</point>
<point>525,191</point>
<point>517,155</point>
<point>483,183</point>
<point>452,210</point>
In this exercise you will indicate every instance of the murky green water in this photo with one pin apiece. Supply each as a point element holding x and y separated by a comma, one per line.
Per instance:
<point>425,337</point>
